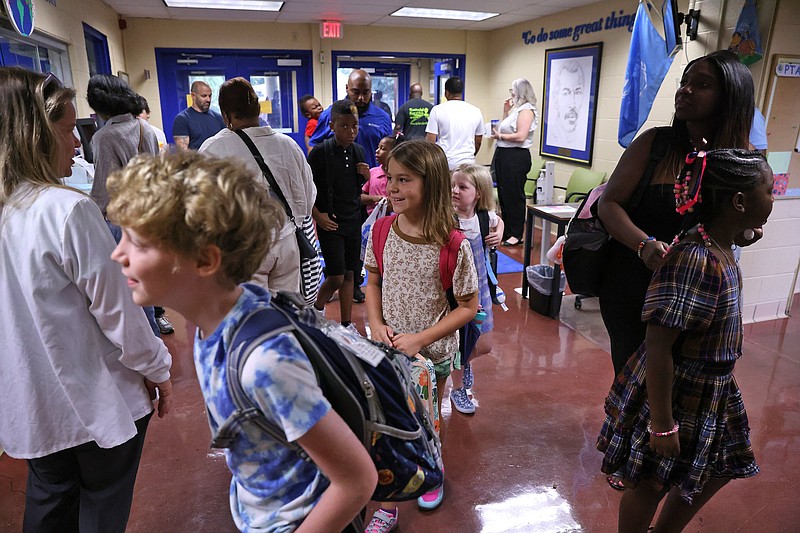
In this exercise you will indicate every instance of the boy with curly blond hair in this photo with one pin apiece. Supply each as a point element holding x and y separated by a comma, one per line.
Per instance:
<point>194,229</point>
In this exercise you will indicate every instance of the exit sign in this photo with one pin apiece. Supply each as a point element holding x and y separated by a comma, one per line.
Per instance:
<point>330,29</point>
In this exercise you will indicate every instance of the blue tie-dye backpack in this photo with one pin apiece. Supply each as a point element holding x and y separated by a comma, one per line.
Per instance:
<point>368,384</point>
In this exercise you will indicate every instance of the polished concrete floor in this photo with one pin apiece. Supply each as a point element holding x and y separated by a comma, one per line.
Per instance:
<point>525,462</point>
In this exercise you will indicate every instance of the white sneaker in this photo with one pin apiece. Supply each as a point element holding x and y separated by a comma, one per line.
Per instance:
<point>382,522</point>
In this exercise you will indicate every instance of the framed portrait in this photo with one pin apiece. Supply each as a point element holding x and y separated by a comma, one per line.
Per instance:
<point>123,76</point>
<point>571,77</point>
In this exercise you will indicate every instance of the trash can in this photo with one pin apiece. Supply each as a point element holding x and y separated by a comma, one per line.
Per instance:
<point>540,280</point>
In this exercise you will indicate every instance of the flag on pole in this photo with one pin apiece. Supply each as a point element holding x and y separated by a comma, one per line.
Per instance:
<point>746,39</point>
<point>648,64</point>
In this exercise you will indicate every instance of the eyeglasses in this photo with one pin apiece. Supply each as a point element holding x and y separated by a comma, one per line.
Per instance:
<point>51,80</point>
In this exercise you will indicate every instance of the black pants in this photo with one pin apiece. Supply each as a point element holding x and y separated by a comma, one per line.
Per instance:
<point>85,488</point>
<point>511,167</point>
<point>622,293</point>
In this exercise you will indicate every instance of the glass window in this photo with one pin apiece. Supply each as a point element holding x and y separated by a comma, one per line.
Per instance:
<point>36,53</point>
<point>268,89</point>
<point>96,51</point>
<point>212,80</point>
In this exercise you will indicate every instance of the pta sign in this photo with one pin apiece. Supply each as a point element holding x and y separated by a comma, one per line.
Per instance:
<point>330,29</point>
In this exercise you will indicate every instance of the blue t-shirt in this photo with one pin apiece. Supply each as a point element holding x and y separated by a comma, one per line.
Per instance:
<point>272,488</point>
<point>197,126</point>
<point>373,125</point>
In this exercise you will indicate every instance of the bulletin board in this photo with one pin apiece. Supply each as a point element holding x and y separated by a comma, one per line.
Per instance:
<point>782,116</point>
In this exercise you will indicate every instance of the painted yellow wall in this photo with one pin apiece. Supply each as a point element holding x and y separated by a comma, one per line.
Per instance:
<point>65,23</point>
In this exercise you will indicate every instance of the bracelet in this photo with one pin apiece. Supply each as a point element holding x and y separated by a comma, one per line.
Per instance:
<point>641,245</point>
<point>672,431</point>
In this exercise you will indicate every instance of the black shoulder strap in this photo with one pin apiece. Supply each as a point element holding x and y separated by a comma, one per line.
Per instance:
<point>266,171</point>
<point>330,176</point>
<point>658,149</point>
<point>483,220</point>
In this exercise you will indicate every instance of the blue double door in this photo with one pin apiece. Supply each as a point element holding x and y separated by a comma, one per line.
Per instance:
<point>279,78</point>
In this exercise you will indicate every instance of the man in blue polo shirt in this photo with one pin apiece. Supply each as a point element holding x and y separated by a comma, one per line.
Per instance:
<point>373,123</point>
<point>197,123</point>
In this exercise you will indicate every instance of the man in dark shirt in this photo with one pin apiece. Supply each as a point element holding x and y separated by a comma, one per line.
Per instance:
<point>197,123</point>
<point>339,172</point>
<point>412,117</point>
<point>373,123</point>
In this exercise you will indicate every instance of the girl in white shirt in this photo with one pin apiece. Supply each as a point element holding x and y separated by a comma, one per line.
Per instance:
<point>472,192</point>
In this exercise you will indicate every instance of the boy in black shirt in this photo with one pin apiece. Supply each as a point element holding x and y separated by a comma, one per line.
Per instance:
<point>339,172</point>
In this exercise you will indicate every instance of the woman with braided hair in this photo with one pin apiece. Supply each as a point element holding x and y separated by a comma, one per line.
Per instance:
<point>675,422</point>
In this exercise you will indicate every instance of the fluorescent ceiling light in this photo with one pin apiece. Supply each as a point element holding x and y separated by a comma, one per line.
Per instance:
<point>245,5</point>
<point>428,13</point>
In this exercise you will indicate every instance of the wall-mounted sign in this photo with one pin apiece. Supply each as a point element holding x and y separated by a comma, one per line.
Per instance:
<point>330,29</point>
<point>20,13</point>
<point>785,69</point>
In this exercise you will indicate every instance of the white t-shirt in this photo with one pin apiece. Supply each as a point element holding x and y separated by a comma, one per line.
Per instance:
<point>456,123</point>
<point>472,226</point>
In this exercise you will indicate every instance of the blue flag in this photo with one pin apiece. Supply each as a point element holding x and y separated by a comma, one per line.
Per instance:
<point>746,39</point>
<point>648,63</point>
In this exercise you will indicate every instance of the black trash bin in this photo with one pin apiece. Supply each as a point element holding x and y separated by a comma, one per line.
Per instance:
<point>540,280</point>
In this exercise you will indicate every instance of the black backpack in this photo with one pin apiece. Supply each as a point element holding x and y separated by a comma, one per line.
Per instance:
<point>368,384</point>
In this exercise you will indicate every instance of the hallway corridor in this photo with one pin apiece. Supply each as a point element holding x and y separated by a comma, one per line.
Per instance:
<point>525,462</point>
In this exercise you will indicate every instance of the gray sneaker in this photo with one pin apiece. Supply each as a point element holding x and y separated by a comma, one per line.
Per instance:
<point>461,401</point>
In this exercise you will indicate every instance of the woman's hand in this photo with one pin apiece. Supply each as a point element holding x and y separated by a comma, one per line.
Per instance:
<point>668,446</point>
<point>507,105</point>
<point>653,254</point>
<point>742,241</point>
<point>164,396</point>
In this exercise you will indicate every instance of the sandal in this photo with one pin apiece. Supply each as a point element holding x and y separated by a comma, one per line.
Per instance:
<point>615,482</point>
<point>510,242</point>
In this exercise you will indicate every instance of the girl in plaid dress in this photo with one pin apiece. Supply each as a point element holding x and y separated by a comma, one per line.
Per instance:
<point>675,422</point>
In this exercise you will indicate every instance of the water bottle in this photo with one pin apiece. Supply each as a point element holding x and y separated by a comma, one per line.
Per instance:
<point>480,316</point>
<point>500,298</point>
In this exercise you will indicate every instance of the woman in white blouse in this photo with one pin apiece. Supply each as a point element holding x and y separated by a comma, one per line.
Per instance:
<point>80,365</point>
<point>512,157</point>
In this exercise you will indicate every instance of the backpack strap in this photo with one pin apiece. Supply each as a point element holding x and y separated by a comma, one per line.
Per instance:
<point>330,176</point>
<point>380,232</point>
<point>258,326</point>
<point>448,258</point>
<point>483,221</point>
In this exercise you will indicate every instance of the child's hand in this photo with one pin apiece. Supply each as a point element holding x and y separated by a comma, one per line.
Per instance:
<point>494,238</point>
<point>363,169</point>
<point>408,343</point>
<point>325,222</point>
<point>668,446</point>
<point>384,334</point>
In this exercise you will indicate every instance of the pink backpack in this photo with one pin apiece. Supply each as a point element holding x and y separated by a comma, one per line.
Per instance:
<point>448,257</point>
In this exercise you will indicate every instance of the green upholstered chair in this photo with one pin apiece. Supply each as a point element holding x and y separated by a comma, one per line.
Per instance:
<point>580,183</point>
<point>533,175</point>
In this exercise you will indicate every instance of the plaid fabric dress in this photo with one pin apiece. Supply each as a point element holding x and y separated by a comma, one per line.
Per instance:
<point>699,295</point>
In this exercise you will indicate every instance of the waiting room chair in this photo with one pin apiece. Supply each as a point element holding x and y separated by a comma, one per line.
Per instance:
<point>580,183</point>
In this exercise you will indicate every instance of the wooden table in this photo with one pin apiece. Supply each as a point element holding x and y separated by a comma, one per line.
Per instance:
<point>560,215</point>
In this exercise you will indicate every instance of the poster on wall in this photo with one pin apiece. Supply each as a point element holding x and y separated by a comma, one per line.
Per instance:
<point>571,78</point>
